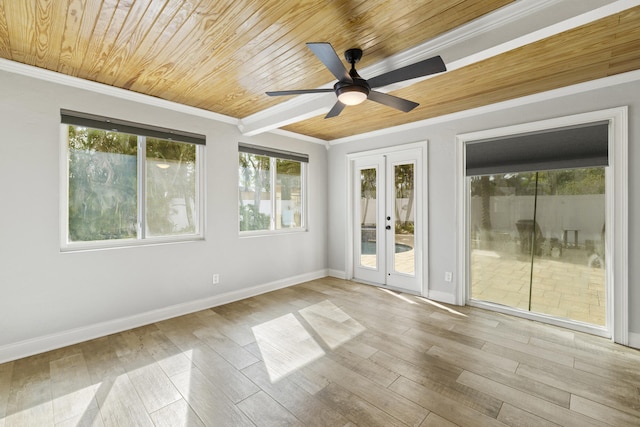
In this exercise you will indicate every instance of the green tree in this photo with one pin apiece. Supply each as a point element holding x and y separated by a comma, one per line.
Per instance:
<point>368,183</point>
<point>288,175</point>
<point>255,178</point>
<point>171,176</point>
<point>102,185</point>
<point>404,186</point>
<point>485,187</point>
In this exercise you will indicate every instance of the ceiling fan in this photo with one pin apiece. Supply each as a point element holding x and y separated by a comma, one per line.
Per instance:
<point>351,89</point>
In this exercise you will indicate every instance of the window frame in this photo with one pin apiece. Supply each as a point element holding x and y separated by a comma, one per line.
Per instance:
<point>141,238</point>
<point>274,155</point>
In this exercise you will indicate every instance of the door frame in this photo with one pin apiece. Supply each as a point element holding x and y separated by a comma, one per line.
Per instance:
<point>616,241</point>
<point>421,214</point>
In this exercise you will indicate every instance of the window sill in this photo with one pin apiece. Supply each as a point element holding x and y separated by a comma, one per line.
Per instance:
<point>127,243</point>
<point>279,232</point>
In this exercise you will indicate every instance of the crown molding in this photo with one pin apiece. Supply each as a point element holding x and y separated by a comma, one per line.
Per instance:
<point>78,83</point>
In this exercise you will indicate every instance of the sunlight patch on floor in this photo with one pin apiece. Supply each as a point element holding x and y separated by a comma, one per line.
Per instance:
<point>443,307</point>
<point>334,326</point>
<point>285,345</point>
<point>75,404</point>
<point>397,295</point>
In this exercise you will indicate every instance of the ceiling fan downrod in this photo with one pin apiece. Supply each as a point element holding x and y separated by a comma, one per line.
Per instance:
<point>357,90</point>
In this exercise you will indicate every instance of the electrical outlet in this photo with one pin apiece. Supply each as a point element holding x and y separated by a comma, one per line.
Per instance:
<point>216,279</point>
<point>448,276</point>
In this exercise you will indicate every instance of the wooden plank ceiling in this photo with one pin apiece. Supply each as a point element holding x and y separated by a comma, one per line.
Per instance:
<point>604,48</point>
<point>223,55</point>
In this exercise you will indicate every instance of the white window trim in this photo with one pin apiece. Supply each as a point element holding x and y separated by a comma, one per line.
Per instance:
<point>142,239</point>
<point>617,322</point>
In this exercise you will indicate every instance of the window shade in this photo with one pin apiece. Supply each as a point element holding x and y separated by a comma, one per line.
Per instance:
<point>270,152</point>
<point>560,148</point>
<point>117,125</point>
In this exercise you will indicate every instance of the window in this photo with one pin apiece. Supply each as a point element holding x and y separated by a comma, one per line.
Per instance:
<point>129,184</point>
<point>271,189</point>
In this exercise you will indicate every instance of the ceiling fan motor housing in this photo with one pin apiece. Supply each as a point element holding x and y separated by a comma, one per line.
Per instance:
<point>357,85</point>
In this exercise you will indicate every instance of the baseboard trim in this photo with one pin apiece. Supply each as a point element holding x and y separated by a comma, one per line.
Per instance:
<point>440,296</point>
<point>338,274</point>
<point>634,340</point>
<point>57,340</point>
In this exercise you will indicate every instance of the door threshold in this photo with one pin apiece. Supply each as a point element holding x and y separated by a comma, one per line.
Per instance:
<point>388,288</point>
<point>562,322</point>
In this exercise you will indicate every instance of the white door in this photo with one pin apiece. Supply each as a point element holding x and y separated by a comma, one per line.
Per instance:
<point>387,209</point>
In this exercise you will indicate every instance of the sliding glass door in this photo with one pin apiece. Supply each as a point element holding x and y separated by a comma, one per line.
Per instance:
<point>537,242</point>
<point>537,204</point>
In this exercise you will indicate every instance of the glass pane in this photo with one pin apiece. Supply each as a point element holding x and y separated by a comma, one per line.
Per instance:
<point>288,194</point>
<point>102,185</point>
<point>501,206</point>
<point>568,270</point>
<point>171,188</point>
<point>404,189</point>
<point>537,242</point>
<point>254,192</point>
<point>369,220</point>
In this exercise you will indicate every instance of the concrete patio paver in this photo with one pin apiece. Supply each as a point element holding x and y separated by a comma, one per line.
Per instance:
<point>561,287</point>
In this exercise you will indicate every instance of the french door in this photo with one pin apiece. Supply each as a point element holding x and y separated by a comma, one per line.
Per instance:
<point>387,212</point>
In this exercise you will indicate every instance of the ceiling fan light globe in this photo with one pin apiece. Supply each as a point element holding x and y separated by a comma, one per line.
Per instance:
<point>353,97</point>
<point>352,93</point>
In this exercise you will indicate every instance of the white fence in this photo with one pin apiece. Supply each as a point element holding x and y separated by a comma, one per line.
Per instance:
<point>554,214</point>
<point>405,210</point>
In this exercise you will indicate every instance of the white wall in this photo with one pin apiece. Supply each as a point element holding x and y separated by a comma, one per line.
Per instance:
<point>45,294</point>
<point>441,174</point>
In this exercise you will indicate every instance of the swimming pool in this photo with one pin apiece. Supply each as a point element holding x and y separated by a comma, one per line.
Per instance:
<point>369,248</point>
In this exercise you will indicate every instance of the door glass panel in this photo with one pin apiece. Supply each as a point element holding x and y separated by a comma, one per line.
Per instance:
<point>537,242</point>
<point>368,218</point>
<point>568,268</point>
<point>404,197</point>
<point>501,206</point>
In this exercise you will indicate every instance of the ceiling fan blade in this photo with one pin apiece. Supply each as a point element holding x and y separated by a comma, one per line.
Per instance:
<point>419,69</point>
<point>392,101</point>
<point>337,109</point>
<point>330,59</point>
<point>297,92</point>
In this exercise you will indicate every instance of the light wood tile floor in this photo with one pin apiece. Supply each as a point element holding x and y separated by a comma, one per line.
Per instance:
<point>329,353</point>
